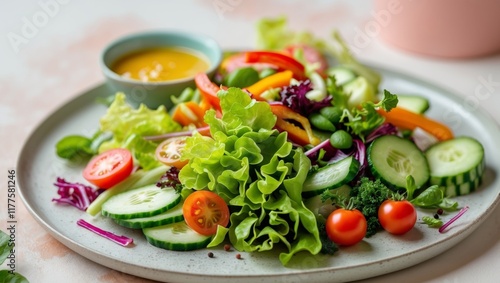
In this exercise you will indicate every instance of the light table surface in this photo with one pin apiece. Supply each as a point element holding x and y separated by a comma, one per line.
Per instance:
<point>55,57</point>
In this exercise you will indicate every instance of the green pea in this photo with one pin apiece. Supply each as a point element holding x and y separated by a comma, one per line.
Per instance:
<point>320,122</point>
<point>341,139</point>
<point>332,113</point>
<point>242,77</point>
<point>267,72</point>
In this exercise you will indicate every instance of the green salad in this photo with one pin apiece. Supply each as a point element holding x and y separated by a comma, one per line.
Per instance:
<point>290,147</point>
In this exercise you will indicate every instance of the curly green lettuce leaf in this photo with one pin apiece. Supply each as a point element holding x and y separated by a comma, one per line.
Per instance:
<point>240,114</point>
<point>129,125</point>
<point>257,172</point>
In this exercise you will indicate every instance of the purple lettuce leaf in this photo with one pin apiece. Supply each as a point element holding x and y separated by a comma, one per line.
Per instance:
<point>294,96</point>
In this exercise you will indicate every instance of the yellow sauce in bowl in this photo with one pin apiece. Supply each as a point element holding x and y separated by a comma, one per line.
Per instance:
<point>160,64</point>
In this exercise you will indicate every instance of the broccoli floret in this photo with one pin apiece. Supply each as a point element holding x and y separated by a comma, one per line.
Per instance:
<point>367,196</point>
<point>327,245</point>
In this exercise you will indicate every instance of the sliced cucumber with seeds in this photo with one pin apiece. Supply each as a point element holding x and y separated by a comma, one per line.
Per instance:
<point>392,159</point>
<point>170,216</point>
<point>469,176</point>
<point>342,75</point>
<point>413,103</point>
<point>359,90</point>
<point>455,162</point>
<point>176,237</point>
<point>142,202</point>
<point>330,177</point>
<point>462,189</point>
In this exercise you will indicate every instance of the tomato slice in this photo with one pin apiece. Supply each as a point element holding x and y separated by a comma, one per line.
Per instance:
<point>203,211</point>
<point>169,152</point>
<point>109,168</point>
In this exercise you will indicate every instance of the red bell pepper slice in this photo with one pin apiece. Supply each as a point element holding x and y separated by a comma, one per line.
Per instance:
<point>280,60</point>
<point>301,136</point>
<point>208,89</point>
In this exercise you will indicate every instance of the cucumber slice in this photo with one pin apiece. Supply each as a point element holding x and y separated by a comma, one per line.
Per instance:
<point>462,189</point>
<point>142,202</point>
<point>413,103</point>
<point>342,75</point>
<point>170,216</point>
<point>330,177</point>
<point>392,159</point>
<point>359,90</point>
<point>176,237</point>
<point>455,162</point>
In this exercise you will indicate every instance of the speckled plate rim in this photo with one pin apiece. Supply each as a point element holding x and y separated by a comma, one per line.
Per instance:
<point>36,190</point>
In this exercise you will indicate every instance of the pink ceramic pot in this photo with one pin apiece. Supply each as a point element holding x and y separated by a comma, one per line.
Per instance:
<point>445,28</point>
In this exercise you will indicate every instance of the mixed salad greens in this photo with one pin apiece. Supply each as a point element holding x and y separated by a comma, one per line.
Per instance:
<point>290,145</point>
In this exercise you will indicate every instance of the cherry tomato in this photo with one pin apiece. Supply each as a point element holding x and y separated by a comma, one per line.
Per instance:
<point>109,168</point>
<point>169,152</point>
<point>346,227</point>
<point>397,216</point>
<point>204,210</point>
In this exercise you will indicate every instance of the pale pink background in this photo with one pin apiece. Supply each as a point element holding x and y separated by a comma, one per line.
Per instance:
<point>61,60</point>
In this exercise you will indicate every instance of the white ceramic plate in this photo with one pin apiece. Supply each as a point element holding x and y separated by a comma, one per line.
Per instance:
<point>39,167</point>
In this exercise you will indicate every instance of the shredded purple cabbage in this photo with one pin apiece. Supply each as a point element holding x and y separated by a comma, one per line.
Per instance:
<point>294,96</point>
<point>75,194</point>
<point>121,240</point>
<point>358,151</point>
<point>382,130</point>
<point>325,145</point>
<point>459,214</point>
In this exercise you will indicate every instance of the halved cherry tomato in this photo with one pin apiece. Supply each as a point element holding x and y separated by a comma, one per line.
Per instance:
<point>397,216</point>
<point>169,152</point>
<point>346,227</point>
<point>203,211</point>
<point>109,168</point>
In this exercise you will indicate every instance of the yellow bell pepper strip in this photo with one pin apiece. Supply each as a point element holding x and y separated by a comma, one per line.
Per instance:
<point>280,79</point>
<point>301,136</point>
<point>405,119</point>
<point>280,60</point>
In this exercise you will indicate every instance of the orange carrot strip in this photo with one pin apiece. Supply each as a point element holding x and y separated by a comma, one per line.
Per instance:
<point>403,118</point>
<point>187,113</point>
